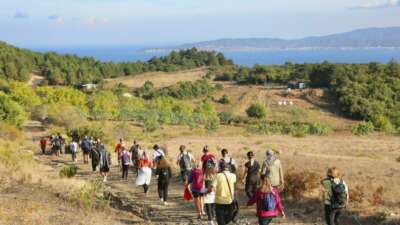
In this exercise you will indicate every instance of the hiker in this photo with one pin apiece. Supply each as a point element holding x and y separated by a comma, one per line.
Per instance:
<point>157,154</point>
<point>227,159</point>
<point>56,143</point>
<point>86,146</point>
<point>208,159</point>
<point>118,150</point>
<point>196,181</point>
<point>105,161</point>
<point>209,197</point>
<point>95,154</point>
<point>185,162</point>
<point>125,161</point>
<point>62,143</point>
<point>43,144</point>
<point>144,176</point>
<point>336,196</point>
<point>164,175</point>
<point>267,201</point>
<point>272,169</point>
<point>134,150</point>
<point>225,203</point>
<point>252,167</point>
<point>73,149</point>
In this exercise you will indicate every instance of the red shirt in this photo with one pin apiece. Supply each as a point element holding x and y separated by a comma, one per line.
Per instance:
<point>205,158</point>
<point>258,198</point>
<point>43,142</point>
<point>118,148</point>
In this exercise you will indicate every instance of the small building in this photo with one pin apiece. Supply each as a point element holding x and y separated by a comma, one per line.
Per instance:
<point>297,85</point>
<point>87,87</point>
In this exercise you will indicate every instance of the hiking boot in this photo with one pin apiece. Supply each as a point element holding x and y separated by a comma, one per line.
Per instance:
<point>166,203</point>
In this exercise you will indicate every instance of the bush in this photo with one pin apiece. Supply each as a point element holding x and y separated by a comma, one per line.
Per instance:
<point>297,183</point>
<point>363,128</point>
<point>228,118</point>
<point>40,112</point>
<point>319,129</point>
<point>377,197</point>
<point>104,105</point>
<point>90,196</point>
<point>382,123</point>
<point>357,194</point>
<point>68,171</point>
<point>150,122</point>
<point>65,95</point>
<point>224,99</point>
<point>10,111</point>
<point>65,115</point>
<point>91,131</point>
<point>296,129</point>
<point>24,95</point>
<point>10,132</point>
<point>256,111</point>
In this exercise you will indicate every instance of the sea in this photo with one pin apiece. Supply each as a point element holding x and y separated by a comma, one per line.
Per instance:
<point>247,58</point>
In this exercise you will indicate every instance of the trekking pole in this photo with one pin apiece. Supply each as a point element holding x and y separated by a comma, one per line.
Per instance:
<point>356,219</point>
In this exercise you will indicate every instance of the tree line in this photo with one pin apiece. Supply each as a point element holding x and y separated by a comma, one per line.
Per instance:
<point>17,64</point>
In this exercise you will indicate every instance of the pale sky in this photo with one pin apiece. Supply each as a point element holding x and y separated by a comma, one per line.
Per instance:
<point>33,23</point>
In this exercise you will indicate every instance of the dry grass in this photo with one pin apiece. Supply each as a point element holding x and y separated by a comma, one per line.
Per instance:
<point>159,79</point>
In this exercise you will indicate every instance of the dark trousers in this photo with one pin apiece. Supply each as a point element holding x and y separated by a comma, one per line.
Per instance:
<point>184,175</point>
<point>145,188</point>
<point>125,169</point>
<point>264,221</point>
<point>332,215</point>
<point>43,147</point>
<point>223,214</point>
<point>73,154</point>
<point>250,188</point>
<point>210,210</point>
<point>163,189</point>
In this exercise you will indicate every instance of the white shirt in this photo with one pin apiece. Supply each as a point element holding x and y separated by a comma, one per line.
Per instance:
<point>75,146</point>
<point>157,153</point>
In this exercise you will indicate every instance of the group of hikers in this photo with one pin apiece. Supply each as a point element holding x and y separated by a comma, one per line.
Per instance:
<point>209,181</point>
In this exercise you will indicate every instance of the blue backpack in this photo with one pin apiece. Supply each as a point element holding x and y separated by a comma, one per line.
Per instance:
<point>269,202</point>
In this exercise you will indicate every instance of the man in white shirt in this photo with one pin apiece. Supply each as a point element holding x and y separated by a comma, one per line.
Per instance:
<point>185,162</point>
<point>157,154</point>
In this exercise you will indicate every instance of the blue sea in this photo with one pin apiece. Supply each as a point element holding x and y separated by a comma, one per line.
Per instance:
<point>135,53</point>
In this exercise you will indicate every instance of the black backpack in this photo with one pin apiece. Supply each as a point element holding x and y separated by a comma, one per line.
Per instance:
<point>339,195</point>
<point>57,143</point>
<point>185,162</point>
<point>232,168</point>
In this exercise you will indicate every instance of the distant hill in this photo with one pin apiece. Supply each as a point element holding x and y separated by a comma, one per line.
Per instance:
<point>364,38</point>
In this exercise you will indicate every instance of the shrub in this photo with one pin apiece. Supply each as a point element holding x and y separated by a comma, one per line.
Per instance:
<point>40,112</point>
<point>382,123</point>
<point>228,118</point>
<point>150,122</point>
<point>68,171</point>
<point>319,129</point>
<point>104,105</point>
<point>363,128</point>
<point>256,111</point>
<point>90,196</point>
<point>377,197</point>
<point>66,95</point>
<point>10,111</point>
<point>357,194</point>
<point>91,131</point>
<point>297,183</point>
<point>10,132</point>
<point>224,99</point>
<point>297,130</point>
<point>65,115</point>
<point>24,95</point>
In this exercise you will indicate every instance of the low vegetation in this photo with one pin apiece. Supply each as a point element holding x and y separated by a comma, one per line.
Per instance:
<point>295,129</point>
<point>68,171</point>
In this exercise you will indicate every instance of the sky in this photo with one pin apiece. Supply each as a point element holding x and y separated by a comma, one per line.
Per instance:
<point>40,23</point>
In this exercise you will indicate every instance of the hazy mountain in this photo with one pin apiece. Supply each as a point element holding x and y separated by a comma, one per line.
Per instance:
<point>364,38</point>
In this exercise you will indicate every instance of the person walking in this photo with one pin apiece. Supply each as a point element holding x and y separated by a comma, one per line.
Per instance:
<point>267,201</point>
<point>134,150</point>
<point>157,154</point>
<point>56,145</point>
<point>336,196</point>
<point>118,150</point>
<point>226,159</point>
<point>164,174</point>
<point>207,159</point>
<point>224,188</point>
<point>73,149</point>
<point>86,146</point>
<point>105,161</point>
<point>43,145</point>
<point>185,162</point>
<point>125,161</point>
<point>144,177</point>
<point>95,154</point>
<point>272,168</point>
<point>209,198</point>
<point>252,168</point>
<point>196,181</point>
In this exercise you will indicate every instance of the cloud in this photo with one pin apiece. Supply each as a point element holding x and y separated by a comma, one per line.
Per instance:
<point>96,21</point>
<point>20,15</point>
<point>379,4</point>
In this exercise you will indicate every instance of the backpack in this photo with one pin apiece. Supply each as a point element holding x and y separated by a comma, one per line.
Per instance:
<point>57,143</point>
<point>71,148</point>
<point>163,173</point>
<point>125,158</point>
<point>185,162</point>
<point>269,202</point>
<point>85,145</point>
<point>339,195</point>
<point>210,163</point>
<point>232,168</point>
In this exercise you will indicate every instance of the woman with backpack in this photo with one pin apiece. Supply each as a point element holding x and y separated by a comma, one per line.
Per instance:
<point>185,161</point>
<point>125,161</point>
<point>209,197</point>
<point>144,177</point>
<point>196,181</point>
<point>95,155</point>
<point>164,175</point>
<point>267,201</point>
<point>105,161</point>
<point>336,196</point>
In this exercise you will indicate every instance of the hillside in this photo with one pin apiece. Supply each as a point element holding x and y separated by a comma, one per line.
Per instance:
<point>364,38</point>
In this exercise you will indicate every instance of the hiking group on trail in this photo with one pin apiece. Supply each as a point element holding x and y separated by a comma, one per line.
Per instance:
<point>211,183</point>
